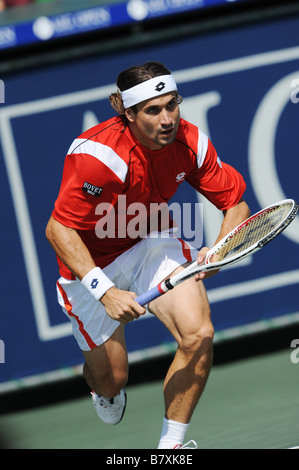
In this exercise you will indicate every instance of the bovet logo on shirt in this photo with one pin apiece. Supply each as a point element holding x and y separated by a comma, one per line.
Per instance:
<point>91,189</point>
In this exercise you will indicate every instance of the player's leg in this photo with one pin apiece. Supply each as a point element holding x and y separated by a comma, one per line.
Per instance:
<point>106,372</point>
<point>106,366</point>
<point>185,312</point>
<point>102,343</point>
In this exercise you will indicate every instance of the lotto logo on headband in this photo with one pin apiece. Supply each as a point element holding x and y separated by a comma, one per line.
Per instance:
<point>148,89</point>
<point>160,86</point>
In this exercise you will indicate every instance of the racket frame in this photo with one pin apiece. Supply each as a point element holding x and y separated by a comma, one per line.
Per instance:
<point>195,268</point>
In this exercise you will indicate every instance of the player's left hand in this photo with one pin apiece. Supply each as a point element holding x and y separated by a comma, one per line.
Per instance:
<point>200,259</point>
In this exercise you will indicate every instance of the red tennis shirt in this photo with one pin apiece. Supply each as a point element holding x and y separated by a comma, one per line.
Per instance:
<point>109,176</point>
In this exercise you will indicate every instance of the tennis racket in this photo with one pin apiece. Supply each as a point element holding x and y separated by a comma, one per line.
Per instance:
<point>244,240</point>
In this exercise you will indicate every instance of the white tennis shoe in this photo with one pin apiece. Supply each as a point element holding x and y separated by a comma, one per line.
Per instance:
<point>110,410</point>
<point>186,446</point>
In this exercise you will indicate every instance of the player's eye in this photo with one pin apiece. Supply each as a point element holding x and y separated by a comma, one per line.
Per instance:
<point>153,110</point>
<point>172,104</point>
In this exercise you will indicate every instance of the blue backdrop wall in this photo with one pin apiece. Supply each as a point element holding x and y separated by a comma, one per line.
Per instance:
<point>240,86</point>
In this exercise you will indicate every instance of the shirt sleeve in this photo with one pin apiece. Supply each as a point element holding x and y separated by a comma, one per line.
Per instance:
<point>219,182</point>
<point>86,182</point>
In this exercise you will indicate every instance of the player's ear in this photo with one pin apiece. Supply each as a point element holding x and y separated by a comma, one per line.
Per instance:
<point>130,115</point>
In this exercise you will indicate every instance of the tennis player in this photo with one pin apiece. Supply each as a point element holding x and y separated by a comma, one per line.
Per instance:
<point>140,156</point>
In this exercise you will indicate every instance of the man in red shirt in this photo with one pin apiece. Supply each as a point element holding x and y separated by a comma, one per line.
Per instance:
<point>136,161</point>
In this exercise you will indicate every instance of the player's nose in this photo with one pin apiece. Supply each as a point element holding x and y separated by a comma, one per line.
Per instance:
<point>166,119</point>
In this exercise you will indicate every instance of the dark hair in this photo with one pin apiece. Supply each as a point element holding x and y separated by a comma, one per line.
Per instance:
<point>139,74</point>
<point>134,76</point>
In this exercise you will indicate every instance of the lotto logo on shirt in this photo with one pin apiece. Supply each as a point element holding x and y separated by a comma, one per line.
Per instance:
<point>180,177</point>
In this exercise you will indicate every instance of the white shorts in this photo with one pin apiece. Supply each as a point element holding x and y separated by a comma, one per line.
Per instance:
<point>138,269</point>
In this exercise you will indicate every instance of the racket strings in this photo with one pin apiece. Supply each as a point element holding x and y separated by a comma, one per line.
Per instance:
<point>252,232</point>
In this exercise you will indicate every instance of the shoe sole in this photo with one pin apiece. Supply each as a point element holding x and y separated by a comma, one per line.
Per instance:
<point>123,409</point>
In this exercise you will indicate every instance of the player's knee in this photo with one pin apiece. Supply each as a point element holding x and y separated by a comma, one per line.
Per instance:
<point>198,340</point>
<point>107,382</point>
<point>113,384</point>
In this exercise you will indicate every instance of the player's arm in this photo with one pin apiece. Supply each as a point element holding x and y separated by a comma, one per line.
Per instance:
<point>232,217</point>
<point>69,248</point>
<point>223,186</point>
<point>72,251</point>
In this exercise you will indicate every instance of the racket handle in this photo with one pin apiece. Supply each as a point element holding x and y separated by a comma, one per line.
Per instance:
<point>148,296</point>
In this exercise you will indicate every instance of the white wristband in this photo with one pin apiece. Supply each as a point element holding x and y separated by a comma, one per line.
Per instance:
<point>96,282</point>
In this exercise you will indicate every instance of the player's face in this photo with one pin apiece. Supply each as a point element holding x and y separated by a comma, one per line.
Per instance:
<point>156,122</point>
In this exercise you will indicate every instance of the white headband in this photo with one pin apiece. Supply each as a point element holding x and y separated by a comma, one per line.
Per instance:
<point>151,88</point>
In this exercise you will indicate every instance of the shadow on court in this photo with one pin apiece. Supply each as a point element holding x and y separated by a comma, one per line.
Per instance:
<point>251,401</point>
<point>149,370</point>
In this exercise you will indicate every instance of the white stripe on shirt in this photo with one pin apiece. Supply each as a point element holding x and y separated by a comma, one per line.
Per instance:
<point>103,153</point>
<point>202,148</point>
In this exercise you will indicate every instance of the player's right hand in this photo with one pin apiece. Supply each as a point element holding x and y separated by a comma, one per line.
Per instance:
<point>121,306</point>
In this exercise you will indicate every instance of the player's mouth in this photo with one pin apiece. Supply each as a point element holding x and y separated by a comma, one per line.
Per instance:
<point>167,132</point>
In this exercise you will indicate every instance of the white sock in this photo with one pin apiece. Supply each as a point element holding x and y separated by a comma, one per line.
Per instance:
<point>173,433</point>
